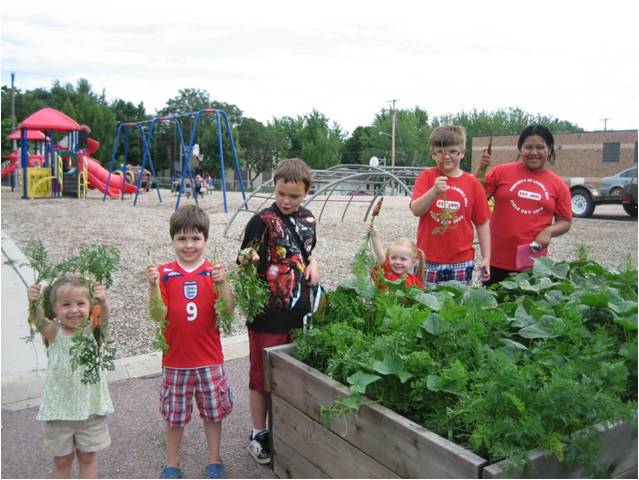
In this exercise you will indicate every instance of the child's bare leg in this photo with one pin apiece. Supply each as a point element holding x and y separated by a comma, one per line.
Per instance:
<point>62,466</point>
<point>173,443</point>
<point>257,404</point>
<point>213,432</point>
<point>88,464</point>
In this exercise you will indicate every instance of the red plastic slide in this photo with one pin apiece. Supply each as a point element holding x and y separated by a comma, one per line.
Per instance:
<point>9,168</point>
<point>98,177</point>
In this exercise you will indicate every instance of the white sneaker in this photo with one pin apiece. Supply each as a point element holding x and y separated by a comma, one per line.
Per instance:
<point>259,447</point>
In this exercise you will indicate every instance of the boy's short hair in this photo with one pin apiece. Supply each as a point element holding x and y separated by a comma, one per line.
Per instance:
<point>447,136</point>
<point>293,170</point>
<point>189,218</point>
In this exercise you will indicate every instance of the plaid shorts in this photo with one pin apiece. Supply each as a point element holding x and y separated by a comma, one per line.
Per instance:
<point>436,273</point>
<point>212,394</point>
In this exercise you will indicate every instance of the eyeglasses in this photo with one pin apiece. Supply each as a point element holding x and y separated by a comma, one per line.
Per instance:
<point>450,153</point>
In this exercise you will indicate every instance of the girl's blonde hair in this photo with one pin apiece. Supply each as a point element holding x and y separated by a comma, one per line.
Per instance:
<point>418,253</point>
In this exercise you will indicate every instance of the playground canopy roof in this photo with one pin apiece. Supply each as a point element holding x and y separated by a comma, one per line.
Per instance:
<point>49,119</point>
<point>31,135</point>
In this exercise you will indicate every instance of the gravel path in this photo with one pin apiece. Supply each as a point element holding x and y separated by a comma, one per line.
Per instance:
<point>63,224</point>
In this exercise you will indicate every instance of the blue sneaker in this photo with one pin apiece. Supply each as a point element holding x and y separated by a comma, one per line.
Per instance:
<point>215,470</point>
<point>171,472</point>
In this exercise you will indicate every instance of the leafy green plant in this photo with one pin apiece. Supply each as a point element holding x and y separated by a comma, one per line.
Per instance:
<point>89,356</point>
<point>251,292</point>
<point>536,361</point>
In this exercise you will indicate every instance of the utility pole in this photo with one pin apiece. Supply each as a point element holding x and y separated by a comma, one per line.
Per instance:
<point>393,123</point>
<point>605,120</point>
<point>13,125</point>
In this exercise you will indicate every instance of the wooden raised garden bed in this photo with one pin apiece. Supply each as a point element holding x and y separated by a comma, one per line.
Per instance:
<point>378,443</point>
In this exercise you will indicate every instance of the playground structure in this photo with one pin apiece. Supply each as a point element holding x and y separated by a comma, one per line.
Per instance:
<point>148,128</point>
<point>65,167</point>
<point>37,139</point>
<point>347,184</point>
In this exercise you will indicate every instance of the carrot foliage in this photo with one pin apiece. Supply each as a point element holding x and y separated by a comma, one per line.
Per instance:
<point>534,362</point>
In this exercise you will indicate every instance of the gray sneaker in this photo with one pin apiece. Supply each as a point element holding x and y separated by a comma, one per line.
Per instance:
<point>259,447</point>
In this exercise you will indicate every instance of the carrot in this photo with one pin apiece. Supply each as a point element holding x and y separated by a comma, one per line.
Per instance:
<point>377,208</point>
<point>481,175</point>
<point>96,315</point>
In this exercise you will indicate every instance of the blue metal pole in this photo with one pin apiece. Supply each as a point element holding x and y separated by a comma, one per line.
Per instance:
<point>186,163</point>
<point>114,151</point>
<point>235,159</point>
<point>221,155</point>
<point>24,161</point>
<point>147,153</point>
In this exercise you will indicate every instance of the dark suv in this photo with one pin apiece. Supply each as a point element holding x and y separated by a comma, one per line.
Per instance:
<point>629,197</point>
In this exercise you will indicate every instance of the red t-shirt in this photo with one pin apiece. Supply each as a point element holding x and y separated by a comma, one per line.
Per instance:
<point>467,199</point>
<point>390,275</point>
<point>526,202</point>
<point>191,332</point>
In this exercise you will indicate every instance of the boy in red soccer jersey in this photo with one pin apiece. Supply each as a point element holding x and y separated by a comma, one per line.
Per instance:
<point>193,364</point>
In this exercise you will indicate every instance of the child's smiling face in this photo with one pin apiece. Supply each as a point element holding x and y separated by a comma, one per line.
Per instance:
<point>401,259</point>
<point>72,306</point>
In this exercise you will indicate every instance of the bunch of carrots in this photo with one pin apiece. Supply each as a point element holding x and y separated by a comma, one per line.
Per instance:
<point>365,261</point>
<point>251,292</point>
<point>157,313</point>
<point>89,350</point>
<point>446,216</point>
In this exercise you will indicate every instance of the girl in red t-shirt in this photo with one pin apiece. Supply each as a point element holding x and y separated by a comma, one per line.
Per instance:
<point>399,259</point>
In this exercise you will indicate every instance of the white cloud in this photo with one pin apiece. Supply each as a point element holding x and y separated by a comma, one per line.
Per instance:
<point>573,60</point>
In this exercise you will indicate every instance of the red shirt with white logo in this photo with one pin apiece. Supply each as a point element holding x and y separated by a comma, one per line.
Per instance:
<point>526,202</point>
<point>467,199</point>
<point>191,332</point>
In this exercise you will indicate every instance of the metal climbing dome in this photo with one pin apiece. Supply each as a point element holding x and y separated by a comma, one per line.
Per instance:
<point>340,184</point>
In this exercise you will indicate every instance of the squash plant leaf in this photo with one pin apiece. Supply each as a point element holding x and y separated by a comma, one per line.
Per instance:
<point>480,297</point>
<point>392,365</point>
<point>511,345</point>
<point>360,380</point>
<point>434,324</point>
<point>543,328</point>
<point>424,298</point>
<point>595,299</point>
<point>545,267</point>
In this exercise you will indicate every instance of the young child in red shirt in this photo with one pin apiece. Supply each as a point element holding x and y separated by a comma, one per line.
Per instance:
<point>449,202</point>
<point>193,365</point>
<point>399,259</point>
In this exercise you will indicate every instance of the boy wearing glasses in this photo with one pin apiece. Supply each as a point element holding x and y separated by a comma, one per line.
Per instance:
<point>449,202</point>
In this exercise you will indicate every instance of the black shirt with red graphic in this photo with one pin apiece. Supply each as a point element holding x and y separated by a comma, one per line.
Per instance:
<point>281,265</point>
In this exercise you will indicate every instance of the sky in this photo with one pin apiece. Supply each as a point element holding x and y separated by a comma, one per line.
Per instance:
<point>572,60</point>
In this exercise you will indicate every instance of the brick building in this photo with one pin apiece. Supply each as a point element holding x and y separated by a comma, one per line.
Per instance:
<point>587,155</point>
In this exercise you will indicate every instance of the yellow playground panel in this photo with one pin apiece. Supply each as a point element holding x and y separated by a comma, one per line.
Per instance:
<point>39,182</point>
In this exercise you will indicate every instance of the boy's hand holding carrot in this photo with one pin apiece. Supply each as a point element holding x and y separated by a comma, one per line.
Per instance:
<point>248,255</point>
<point>218,273</point>
<point>441,184</point>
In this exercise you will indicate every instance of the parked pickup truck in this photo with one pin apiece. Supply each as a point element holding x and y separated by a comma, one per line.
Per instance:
<point>586,197</point>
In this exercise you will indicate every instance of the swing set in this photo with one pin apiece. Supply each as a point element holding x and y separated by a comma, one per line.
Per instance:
<point>148,128</point>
